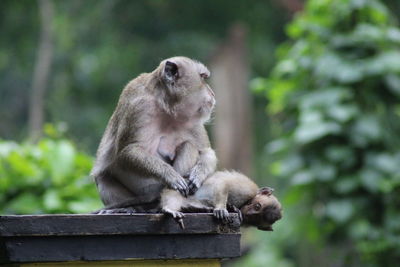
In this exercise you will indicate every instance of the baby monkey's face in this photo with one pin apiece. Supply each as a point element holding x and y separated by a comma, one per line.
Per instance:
<point>263,210</point>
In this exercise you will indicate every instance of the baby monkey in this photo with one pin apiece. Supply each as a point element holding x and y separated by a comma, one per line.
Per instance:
<point>223,189</point>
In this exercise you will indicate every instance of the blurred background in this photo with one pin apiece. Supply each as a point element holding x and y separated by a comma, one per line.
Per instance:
<point>308,102</point>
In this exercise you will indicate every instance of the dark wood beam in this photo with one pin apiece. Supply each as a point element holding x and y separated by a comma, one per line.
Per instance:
<point>54,238</point>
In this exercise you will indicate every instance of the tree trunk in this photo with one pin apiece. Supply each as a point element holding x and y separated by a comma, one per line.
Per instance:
<point>232,127</point>
<point>42,70</point>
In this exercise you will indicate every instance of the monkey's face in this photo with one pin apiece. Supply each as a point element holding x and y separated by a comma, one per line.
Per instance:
<point>185,81</point>
<point>262,211</point>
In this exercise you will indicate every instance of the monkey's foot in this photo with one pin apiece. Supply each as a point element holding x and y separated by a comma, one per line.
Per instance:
<point>128,210</point>
<point>177,215</point>
<point>223,215</point>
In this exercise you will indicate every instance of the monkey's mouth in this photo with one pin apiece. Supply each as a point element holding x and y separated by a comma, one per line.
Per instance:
<point>265,228</point>
<point>206,108</point>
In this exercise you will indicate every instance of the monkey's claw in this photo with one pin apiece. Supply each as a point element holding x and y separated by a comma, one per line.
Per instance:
<point>180,222</point>
<point>178,216</point>
<point>221,214</point>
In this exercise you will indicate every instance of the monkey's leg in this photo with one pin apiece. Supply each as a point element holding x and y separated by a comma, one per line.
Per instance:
<point>186,158</point>
<point>205,166</point>
<point>171,203</point>
<point>112,192</point>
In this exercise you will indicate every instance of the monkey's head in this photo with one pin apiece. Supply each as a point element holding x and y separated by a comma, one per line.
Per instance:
<point>263,210</point>
<point>185,85</point>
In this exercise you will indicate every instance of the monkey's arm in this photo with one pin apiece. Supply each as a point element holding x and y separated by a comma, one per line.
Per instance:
<point>205,166</point>
<point>134,157</point>
<point>207,160</point>
<point>221,199</point>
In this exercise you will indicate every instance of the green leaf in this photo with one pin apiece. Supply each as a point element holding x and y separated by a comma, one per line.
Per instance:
<point>310,130</point>
<point>340,210</point>
<point>366,129</point>
<point>370,179</point>
<point>325,98</point>
<point>342,113</point>
<point>360,229</point>
<point>331,67</point>
<point>393,83</point>
<point>384,162</point>
<point>346,184</point>
<point>303,178</point>
<point>337,153</point>
<point>383,63</point>
<point>323,171</point>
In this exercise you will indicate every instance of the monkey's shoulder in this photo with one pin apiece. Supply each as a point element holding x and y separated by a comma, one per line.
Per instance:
<point>138,86</point>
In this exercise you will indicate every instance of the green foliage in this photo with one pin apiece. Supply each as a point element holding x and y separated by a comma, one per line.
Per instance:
<point>336,93</point>
<point>49,177</point>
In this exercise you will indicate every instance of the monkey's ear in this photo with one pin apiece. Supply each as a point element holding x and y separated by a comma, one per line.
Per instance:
<point>265,190</point>
<point>171,71</point>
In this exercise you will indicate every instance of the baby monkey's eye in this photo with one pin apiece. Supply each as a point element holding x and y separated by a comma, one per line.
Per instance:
<point>257,206</point>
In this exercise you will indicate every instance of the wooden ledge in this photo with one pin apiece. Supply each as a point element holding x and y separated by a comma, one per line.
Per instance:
<point>54,238</point>
<point>138,223</point>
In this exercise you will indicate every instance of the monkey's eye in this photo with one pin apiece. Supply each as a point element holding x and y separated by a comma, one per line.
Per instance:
<point>257,206</point>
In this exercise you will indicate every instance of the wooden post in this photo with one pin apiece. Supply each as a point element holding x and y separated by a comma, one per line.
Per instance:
<point>117,240</point>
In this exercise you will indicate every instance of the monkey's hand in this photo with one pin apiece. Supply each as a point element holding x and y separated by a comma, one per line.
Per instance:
<point>196,179</point>
<point>205,166</point>
<point>222,214</point>
<point>178,183</point>
<point>236,210</point>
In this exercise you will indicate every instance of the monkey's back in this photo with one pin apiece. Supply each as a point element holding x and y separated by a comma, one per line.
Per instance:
<point>237,187</point>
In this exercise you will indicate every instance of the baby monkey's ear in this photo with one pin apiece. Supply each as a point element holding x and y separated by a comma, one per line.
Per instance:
<point>266,190</point>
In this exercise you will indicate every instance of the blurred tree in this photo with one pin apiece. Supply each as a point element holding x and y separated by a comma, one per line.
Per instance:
<point>41,72</point>
<point>336,92</point>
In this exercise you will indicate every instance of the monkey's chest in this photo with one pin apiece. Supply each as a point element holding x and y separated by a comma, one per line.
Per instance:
<point>167,147</point>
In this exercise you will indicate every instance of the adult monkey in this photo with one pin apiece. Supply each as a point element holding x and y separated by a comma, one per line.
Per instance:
<point>158,114</point>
